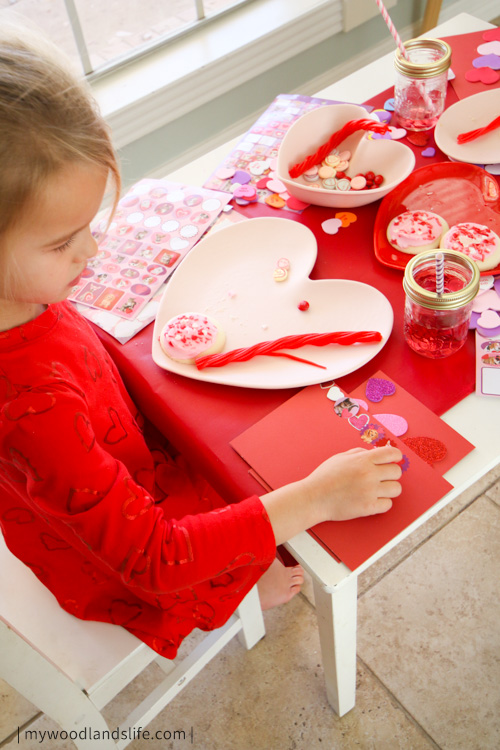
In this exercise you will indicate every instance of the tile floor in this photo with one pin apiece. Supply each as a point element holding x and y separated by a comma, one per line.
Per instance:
<point>428,659</point>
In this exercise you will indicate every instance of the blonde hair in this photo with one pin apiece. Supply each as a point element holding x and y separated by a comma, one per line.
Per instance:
<point>48,118</point>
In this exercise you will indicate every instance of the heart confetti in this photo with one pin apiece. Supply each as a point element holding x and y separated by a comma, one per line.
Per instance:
<point>295,204</point>
<point>429,152</point>
<point>489,48</point>
<point>331,226</point>
<point>492,35</point>
<point>389,105</point>
<point>377,388</point>
<point>346,217</point>
<point>489,323</point>
<point>241,177</point>
<point>483,75</point>
<point>419,138</point>
<point>487,61</point>
<point>428,449</point>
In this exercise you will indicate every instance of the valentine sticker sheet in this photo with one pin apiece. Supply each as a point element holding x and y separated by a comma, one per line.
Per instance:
<point>155,225</point>
<point>322,420</point>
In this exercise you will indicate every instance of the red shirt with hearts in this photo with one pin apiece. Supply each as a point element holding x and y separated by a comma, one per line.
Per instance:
<point>118,530</point>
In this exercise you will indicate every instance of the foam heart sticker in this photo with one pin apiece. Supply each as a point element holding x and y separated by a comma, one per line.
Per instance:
<point>346,217</point>
<point>429,152</point>
<point>487,61</point>
<point>492,35</point>
<point>429,449</point>
<point>331,226</point>
<point>489,48</point>
<point>241,177</point>
<point>489,323</point>
<point>377,388</point>
<point>296,205</point>
<point>396,424</point>
<point>276,186</point>
<point>493,168</point>
<point>482,75</point>
<point>240,259</point>
<point>389,105</point>
<point>489,300</point>
<point>383,115</point>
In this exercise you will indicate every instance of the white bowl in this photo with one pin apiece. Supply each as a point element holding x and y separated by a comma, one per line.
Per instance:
<point>392,159</point>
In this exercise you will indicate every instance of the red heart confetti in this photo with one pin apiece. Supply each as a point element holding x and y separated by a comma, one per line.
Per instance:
<point>483,75</point>
<point>429,449</point>
<point>492,35</point>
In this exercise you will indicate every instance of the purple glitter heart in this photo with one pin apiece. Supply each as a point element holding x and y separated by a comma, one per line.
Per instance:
<point>241,177</point>
<point>487,61</point>
<point>377,388</point>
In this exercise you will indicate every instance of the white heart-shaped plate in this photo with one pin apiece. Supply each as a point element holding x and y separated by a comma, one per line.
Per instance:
<point>228,275</point>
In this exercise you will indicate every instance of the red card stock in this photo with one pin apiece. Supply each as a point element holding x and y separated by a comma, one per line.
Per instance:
<point>295,438</point>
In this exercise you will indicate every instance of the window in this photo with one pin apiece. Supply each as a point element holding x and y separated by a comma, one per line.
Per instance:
<point>102,34</point>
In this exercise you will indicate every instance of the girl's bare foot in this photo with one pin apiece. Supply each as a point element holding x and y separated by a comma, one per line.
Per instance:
<point>279,584</point>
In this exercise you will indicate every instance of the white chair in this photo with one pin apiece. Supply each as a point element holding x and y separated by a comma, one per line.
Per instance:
<point>70,668</point>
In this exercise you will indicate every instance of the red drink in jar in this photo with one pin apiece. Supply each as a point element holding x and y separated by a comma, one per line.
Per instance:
<point>436,325</point>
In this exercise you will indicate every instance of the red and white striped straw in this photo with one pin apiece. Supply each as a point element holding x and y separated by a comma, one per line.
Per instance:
<point>392,29</point>
<point>404,52</point>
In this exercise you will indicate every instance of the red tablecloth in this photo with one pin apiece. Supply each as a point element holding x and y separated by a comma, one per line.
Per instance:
<point>201,418</point>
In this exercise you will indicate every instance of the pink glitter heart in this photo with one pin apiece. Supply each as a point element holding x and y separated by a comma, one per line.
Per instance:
<point>377,388</point>
<point>396,424</point>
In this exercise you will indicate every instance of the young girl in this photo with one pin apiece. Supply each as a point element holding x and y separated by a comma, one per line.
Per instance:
<point>116,528</point>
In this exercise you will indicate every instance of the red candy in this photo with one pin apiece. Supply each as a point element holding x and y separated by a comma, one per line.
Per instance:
<point>304,305</point>
<point>272,348</point>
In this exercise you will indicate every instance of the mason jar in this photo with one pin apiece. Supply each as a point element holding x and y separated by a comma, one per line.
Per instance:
<point>436,325</point>
<point>421,83</point>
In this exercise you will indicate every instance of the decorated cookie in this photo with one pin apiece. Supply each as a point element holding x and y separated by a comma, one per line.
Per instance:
<point>414,232</point>
<point>478,242</point>
<point>189,336</point>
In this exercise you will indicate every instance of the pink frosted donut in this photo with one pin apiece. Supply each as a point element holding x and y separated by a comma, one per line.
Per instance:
<point>413,232</point>
<point>188,336</point>
<point>478,242</point>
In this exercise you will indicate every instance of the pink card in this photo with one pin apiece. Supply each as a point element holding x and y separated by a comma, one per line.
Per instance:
<point>319,421</point>
<point>155,225</point>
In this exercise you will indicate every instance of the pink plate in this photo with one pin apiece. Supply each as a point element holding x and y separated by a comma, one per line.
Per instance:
<point>457,192</point>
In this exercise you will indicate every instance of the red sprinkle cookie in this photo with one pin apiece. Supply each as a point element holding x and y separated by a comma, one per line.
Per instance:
<point>413,232</point>
<point>478,242</point>
<point>191,335</point>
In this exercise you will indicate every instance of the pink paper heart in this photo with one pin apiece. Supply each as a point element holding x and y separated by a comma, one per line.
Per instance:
<point>396,424</point>
<point>359,422</point>
<point>489,300</point>
<point>482,75</point>
<point>489,323</point>
<point>331,226</point>
<point>377,388</point>
<point>276,186</point>
<point>491,35</point>
<point>295,204</point>
<point>489,48</point>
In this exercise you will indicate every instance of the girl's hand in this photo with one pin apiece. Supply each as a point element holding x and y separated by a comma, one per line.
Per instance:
<point>359,482</point>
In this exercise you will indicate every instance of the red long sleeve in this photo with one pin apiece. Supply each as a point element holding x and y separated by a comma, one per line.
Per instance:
<point>118,533</point>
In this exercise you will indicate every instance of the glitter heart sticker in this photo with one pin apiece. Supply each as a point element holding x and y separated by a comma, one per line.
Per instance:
<point>377,388</point>
<point>428,449</point>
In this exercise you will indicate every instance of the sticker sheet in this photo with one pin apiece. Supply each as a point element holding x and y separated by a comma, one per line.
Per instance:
<point>487,365</point>
<point>252,161</point>
<point>156,224</point>
<point>322,420</point>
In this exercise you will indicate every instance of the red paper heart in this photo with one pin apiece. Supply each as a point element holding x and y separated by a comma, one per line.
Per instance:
<point>482,75</point>
<point>492,35</point>
<point>429,449</point>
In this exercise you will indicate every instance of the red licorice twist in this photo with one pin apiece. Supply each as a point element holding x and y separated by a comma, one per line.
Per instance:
<point>343,338</point>
<point>335,140</point>
<point>473,134</point>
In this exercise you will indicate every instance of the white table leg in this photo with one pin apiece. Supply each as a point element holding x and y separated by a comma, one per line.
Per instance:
<point>336,610</point>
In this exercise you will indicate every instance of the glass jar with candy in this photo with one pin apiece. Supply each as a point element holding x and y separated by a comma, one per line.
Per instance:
<point>440,287</point>
<point>421,83</point>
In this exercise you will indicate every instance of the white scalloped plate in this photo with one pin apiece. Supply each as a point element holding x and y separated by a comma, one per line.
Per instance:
<point>228,275</point>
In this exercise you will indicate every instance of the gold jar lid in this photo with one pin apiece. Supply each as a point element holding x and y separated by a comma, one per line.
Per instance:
<point>456,263</point>
<point>425,68</point>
